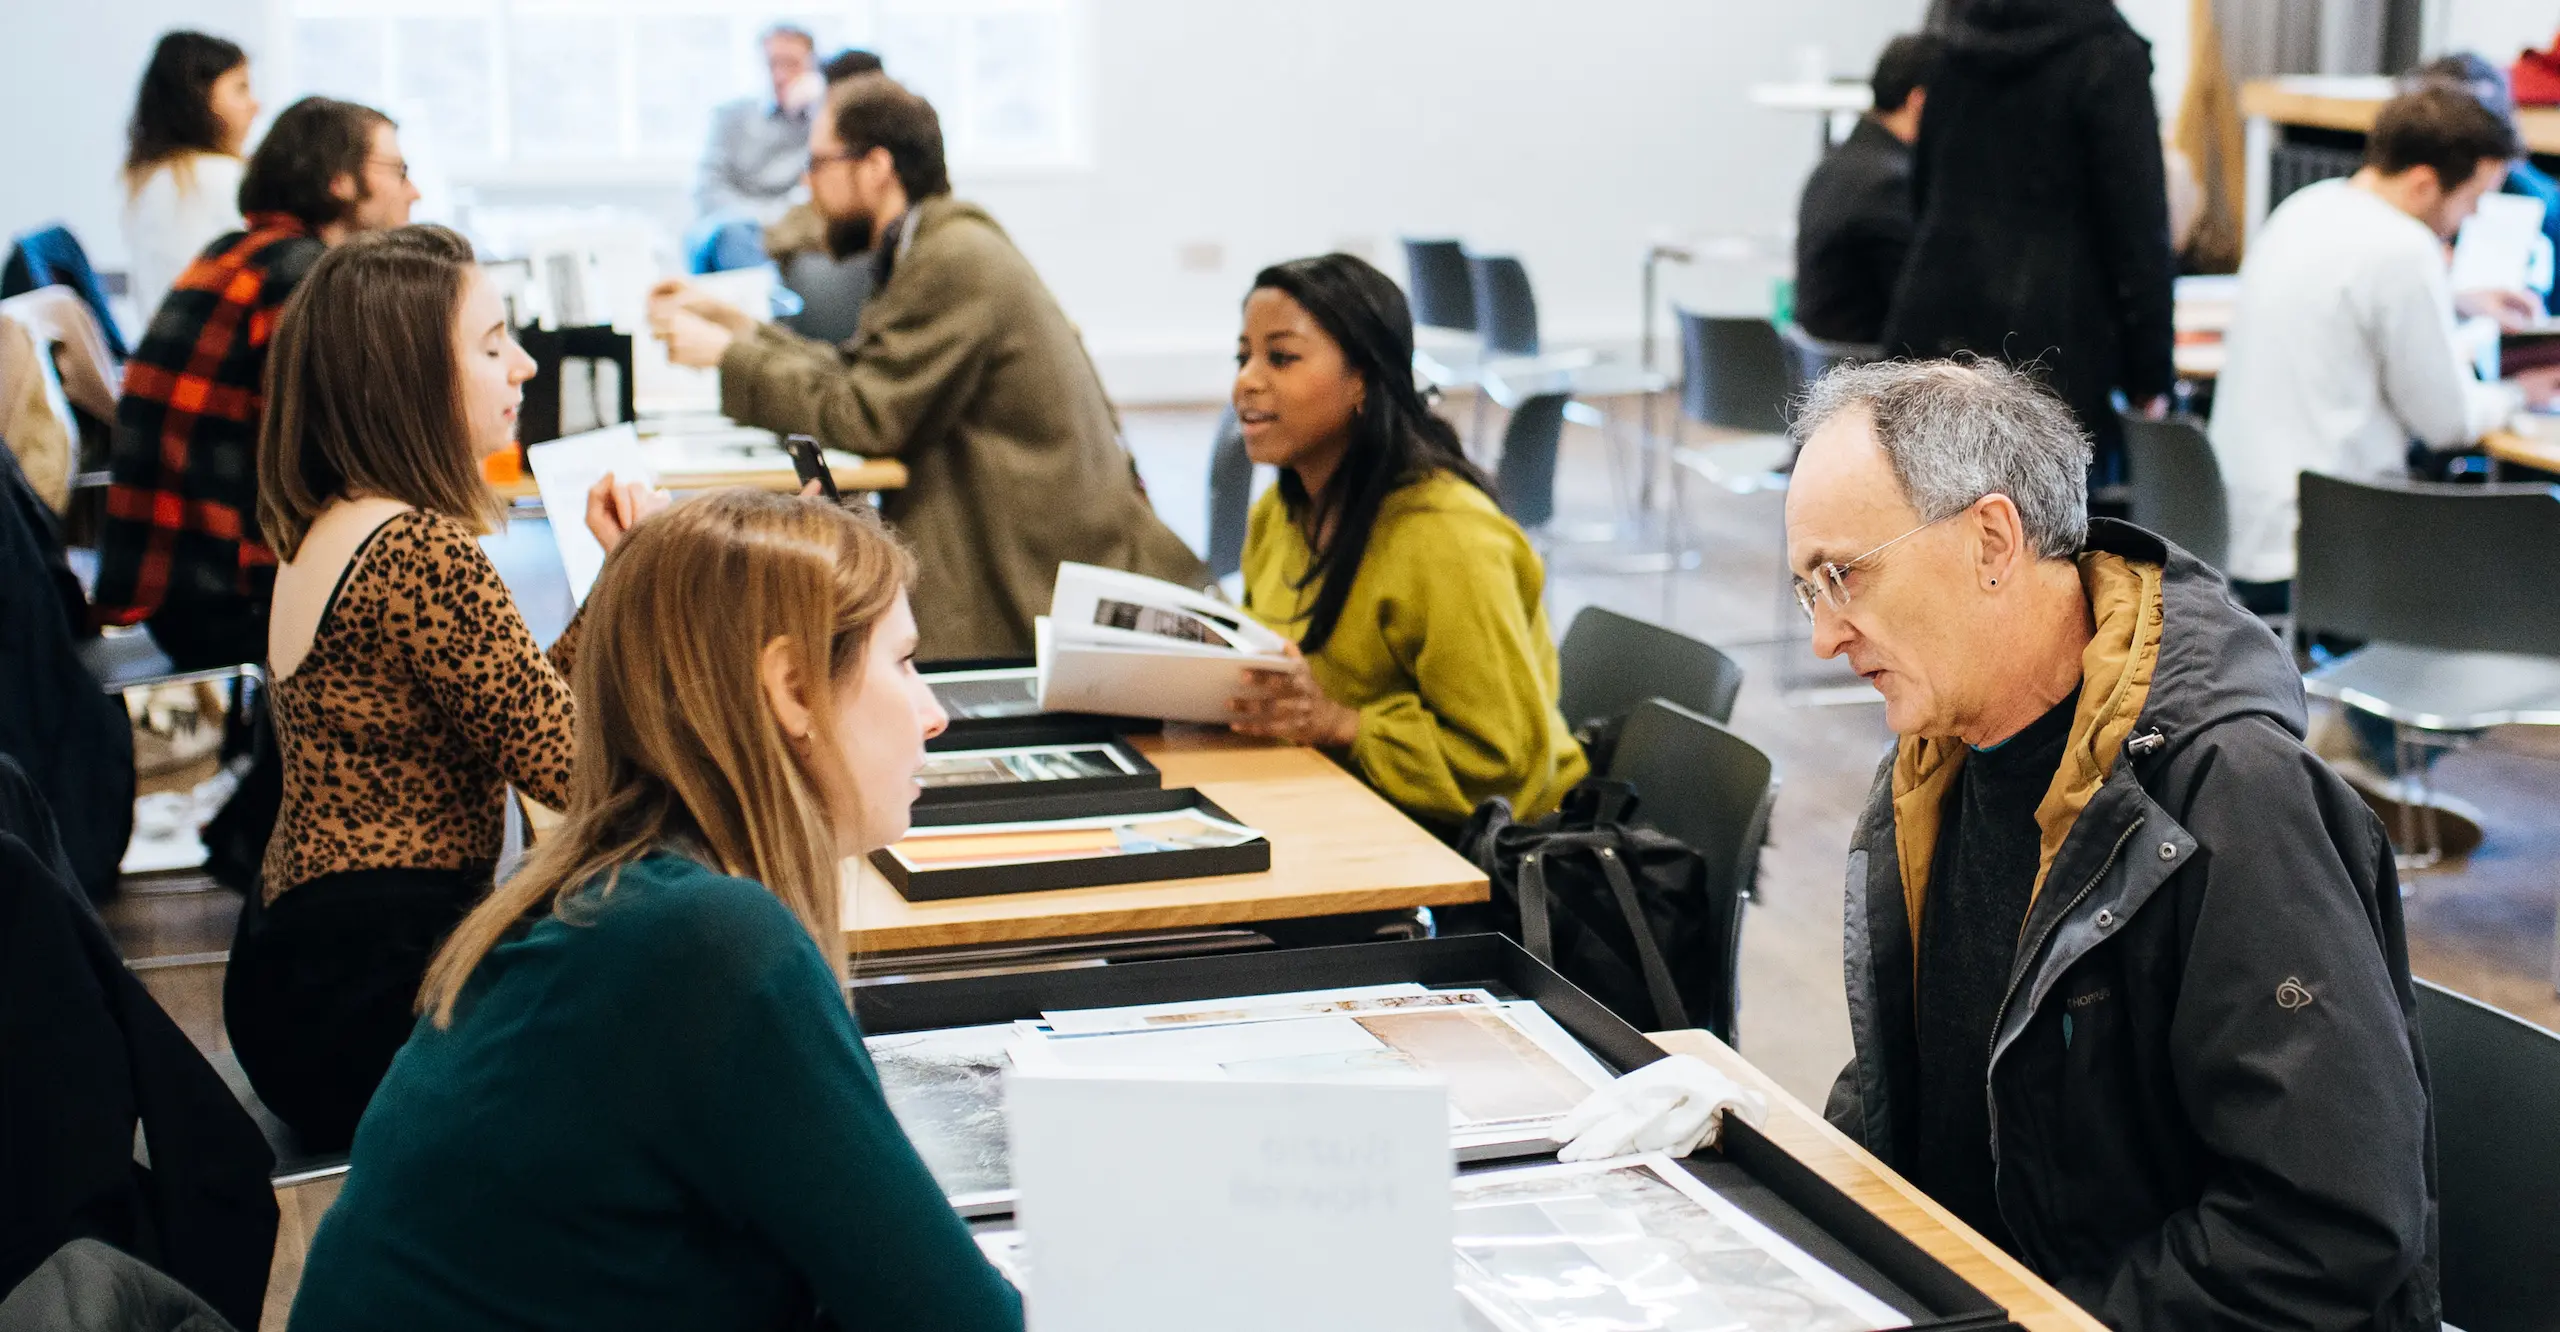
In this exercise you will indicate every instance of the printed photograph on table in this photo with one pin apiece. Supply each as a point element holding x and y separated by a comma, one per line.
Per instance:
<point>1638,1245</point>
<point>974,846</point>
<point>946,1089</point>
<point>1036,763</point>
<point>983,695</point>
<point>1259,1008</point>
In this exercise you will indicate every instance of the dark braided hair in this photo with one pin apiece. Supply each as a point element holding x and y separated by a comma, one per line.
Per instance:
<point>1395,438</point>
<point>173,111</point>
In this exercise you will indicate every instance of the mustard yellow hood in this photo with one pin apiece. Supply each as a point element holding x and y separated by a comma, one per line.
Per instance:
<point>2115,680</point>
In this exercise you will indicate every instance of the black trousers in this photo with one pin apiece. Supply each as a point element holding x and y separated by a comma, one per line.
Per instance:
<point>323,984</point>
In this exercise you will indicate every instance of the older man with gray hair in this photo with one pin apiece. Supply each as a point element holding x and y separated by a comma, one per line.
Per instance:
<point>2126,974</point>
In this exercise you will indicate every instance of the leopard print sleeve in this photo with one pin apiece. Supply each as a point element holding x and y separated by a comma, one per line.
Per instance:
<point>467,644</point>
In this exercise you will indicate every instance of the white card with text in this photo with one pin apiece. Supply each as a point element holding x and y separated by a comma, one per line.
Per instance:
<point>1171,1204</point>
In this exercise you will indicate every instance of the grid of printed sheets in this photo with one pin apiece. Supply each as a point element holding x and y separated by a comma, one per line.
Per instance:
<point>1636,1243</point>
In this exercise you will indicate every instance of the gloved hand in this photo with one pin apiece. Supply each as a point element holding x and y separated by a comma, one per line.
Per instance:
<point>1669,1105</point>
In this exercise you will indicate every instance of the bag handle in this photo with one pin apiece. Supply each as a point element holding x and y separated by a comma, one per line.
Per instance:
<point>1657,974</point>
<point>1535,932</point>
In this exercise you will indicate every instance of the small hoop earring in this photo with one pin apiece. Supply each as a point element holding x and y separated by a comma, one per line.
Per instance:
<point>1994,582</point>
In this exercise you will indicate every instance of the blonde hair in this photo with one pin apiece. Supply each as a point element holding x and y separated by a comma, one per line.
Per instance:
<point>676,741</point>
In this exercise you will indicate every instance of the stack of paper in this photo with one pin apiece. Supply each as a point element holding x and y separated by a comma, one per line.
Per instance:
<point>1132,646</point>
<point>1511,1072</point>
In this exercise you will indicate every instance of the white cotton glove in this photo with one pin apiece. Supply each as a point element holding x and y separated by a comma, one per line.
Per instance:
<point>1669,1105</point>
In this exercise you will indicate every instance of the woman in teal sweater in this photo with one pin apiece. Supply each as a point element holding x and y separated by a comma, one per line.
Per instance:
<point>636,1097</point>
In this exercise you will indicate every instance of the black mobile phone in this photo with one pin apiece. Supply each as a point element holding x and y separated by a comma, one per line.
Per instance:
<point>811,464</point>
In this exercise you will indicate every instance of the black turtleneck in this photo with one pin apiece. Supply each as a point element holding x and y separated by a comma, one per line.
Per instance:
<point>1980,884</point>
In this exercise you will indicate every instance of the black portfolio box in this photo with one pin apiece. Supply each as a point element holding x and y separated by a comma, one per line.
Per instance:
<point>1131,772</point>
<point>1746,1168</point>
<point>929,884</point>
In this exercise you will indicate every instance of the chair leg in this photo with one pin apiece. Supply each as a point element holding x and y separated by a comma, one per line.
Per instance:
<point>2422,834</point>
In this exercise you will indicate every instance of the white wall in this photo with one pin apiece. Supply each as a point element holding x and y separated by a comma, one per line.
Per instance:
<point>73,66</point>
<point>1240,134</point>
<point>2497,29</point>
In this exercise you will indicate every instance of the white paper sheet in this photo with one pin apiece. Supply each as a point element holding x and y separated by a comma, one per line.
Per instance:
<point>1198,1012</point>
<point>564,470</point>
<point>1172,1205</point>
<point>2494,251</point>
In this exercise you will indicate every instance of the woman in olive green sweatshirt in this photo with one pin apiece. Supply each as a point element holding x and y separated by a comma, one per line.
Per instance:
<point>1424,655</point>
<point>636,1097</point>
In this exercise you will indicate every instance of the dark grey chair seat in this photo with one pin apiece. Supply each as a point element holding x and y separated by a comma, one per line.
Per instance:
<point>2436,690</point>
<point>2176,486</point>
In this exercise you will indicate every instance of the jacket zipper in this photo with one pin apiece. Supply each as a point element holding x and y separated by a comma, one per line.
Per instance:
<point>2001,1017</point>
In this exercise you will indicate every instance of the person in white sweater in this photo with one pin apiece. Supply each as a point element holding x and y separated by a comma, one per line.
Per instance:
<point>2342,351</point>
<point>183,162</point>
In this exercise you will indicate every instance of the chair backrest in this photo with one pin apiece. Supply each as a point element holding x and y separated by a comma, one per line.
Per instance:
<point>1524,480</point>
<point>1712,789</point>
<point>832,292</point>
<point>1436,277</point>
<point>1506,312</point>
<point>1815,357</point>
<point>2177,485</point>
<point>2455,567</point>
<point>1612,662</point>
<point>1230,495</point>
<point>2494,1080</point>
<point>51,255</point>
<point>1734,373</point>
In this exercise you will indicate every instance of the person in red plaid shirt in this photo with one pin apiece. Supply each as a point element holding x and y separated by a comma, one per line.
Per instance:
<point>181,552</point>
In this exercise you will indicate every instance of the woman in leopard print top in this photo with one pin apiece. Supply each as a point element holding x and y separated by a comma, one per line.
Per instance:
<point>408,693</point>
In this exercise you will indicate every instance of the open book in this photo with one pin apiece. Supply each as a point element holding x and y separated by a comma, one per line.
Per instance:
<point>564,470</point>
<point>1133,646</point>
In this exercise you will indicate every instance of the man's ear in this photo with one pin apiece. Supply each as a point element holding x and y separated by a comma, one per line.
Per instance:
<point>343,188</point>
<point>778,669</point>
<point>2000,539</point>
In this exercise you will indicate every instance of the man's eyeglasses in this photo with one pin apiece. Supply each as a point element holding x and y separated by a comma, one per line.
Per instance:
<point>1829,585</point>
<point>817,160</point>
<point>397,166</point>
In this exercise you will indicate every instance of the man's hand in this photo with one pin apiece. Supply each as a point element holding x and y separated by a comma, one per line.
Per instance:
<point>695,341</point>
<point>1287,704</point>
<point>676,296</point>
<point>2541,387</point>
<point>2512,310</point>
<point>614,508</point>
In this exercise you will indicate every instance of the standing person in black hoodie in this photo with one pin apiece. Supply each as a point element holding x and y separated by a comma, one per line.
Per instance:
<point>2043,213</point>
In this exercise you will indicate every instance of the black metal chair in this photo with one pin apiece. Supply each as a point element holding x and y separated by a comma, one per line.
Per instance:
<point>1815,357</point>
<point>2447,587</point>
<point>1230,495</point>
<point>1735,373</point>
<point>2176,485</point>
<point>2494,1079</point>
<point>1506,311</point>
<point>1712,789</point>
<point>1612,662</point>
<point>1524,478</point>
<point>1437,278</point>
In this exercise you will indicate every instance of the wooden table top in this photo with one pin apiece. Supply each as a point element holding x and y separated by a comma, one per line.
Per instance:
<point>1336,848</point>
<point>2325,104</point>
<point>851,478</point>
<point>2541,452</point>
<point>1809,1138</point>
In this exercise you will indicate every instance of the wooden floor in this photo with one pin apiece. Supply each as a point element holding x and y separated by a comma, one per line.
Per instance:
<point>2485,927</point>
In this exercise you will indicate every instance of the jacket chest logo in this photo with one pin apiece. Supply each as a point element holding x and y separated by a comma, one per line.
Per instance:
<point>2292,994</point>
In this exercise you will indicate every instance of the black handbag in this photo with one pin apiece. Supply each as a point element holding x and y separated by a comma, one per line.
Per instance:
<point>1626,913</point>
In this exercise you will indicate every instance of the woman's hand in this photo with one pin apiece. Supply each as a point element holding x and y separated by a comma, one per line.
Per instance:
<point>613,508</point>
<point>1286,704</point>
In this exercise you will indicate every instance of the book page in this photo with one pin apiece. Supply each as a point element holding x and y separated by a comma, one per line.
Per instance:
<point>564,470</point>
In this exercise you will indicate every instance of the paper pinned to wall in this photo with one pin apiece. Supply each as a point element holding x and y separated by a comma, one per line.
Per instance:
<point>564,470</point>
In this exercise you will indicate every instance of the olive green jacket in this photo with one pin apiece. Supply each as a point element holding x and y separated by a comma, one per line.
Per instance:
<point>965,369</point>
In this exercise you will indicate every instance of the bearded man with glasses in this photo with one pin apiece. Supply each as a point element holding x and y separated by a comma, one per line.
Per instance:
<point>2127,979</point>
